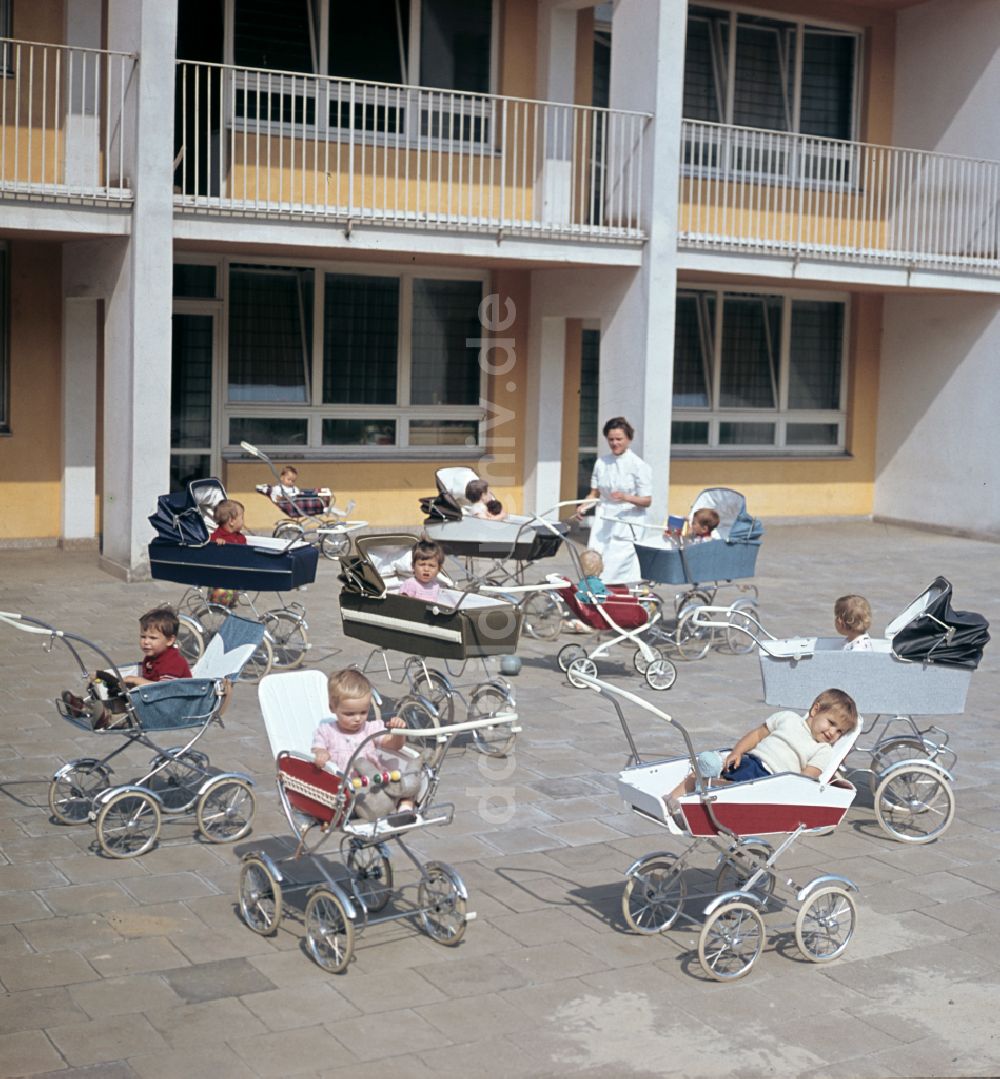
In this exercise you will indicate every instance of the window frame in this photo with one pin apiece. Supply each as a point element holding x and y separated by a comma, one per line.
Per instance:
<point>781,416</point>
<point>314,410</point>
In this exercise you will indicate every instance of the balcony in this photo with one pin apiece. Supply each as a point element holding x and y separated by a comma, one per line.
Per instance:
<point>258,143</point>
<point>772,193</point>
<point>61,123</point>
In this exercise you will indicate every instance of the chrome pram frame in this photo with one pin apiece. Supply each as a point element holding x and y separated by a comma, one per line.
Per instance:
<point>179,780</point>
<point>747,883</point>
<point>341,902</point>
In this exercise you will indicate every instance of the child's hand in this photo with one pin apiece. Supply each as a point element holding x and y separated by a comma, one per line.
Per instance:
<point>322,757</point>
<point>396,723</point>
<point>221,543</point>
<point>732,761</point>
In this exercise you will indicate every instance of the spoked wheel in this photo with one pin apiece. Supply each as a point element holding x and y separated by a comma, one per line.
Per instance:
<point>289,639</point>
<point>190,642</point>
<point>260,897</point>
<point>288,532</point>
<point>890,751</point>
<point>210,617</point>
<point>640,662</point>
<point>372,872</point>
<point>568,653</point>
<point>259,663</point>
<point>661,674</point>
<point>586,667</point>
<point>654,896</point>
<point>329,932</point>
<point>128,824</point>
<point>740,619</point>
<point>487,700</point>
<point>737,867</point>
<point>543,616</point>
<point>334,545</point>
<point>825,924</point>
<point>692,641</point>
<point>419,717</point>
<point>73,789</point>
<point>177,782</point>
<point>731,940</point>
<point>225,810</point>
<point>651,603</point>
<point>433,686</point>
<point>441,898</point>
<point>915,804</point>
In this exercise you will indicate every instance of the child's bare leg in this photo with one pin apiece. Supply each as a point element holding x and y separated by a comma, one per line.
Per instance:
<point>686,786</point>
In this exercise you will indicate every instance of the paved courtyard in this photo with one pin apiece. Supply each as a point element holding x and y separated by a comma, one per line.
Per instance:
<point>143,967</point>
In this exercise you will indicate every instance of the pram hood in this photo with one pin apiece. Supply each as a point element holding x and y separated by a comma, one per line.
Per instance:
<point>379,558</point>
<point>178,519</point>
<point>930,631</point>
<point>735,524</point>
<point>447,504</point>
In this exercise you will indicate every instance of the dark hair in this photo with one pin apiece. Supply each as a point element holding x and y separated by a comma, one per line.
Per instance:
<point>162,618</point>
<point>706,516</point>
<point>494,506</point>
<point>475,489</point>
<point>427,551</point>
<point>621,423</point>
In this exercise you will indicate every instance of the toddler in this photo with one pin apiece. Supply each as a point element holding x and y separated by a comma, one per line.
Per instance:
<point>590,588</point>
<point>483,502</point>
<point>228,516</point>
<point>337,738</point>
<point>288,487</point>
<point>852,618</point>
<point>427,558</point>
<point>704,523</point>
<point>161,661</point>
<point>786,742</point>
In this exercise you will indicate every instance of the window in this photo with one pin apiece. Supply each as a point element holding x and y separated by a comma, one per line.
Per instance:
<point>757,371</point>
<point>396,362</point>
<point>6,30</point>
<point>4,350</point>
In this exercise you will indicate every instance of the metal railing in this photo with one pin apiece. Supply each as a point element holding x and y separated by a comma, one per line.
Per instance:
<point>260,142</point>
<point>61,121</point>
<point>744,189</point>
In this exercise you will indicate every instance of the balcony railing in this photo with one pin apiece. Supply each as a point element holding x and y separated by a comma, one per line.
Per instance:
<point>262,143</point>
<point>744,189</point>
<point>61,130</point>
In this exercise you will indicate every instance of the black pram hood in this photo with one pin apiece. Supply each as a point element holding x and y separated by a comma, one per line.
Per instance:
<point>940,635</point>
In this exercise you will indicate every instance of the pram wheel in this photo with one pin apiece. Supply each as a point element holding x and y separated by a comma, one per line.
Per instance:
<point>225,810</point>
<point>914,803</point>
<point>640,662</point>
<point>177,779</point>
<point>371,869</point>
<point>259,664</point>
<point>739,618</point>
<point>737,867</point>
<point>289,640</point>
<point>260,897</point>
<point>329,931</point>
<point>653,896</point>
<point>128,824</point>
<point>825,924</point>
<point>543,616</point>
<point>892,751</point>
<point>190,642</point>
<point>433,686</point>
<point>585,666</point>
<point>568,653</point>
<point>661,675</point>
<point>692,641</point>
<point>731,939</point>
<point>73,789</point>
<point>442,897</point>
<point>419,717</point>
<point>334,545</point>
<point>288,532</point>
<point>487,700</point>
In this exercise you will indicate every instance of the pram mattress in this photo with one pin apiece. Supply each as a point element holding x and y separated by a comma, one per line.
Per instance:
<point>480,627</point>
<point>264,565</point>
<point>795,670</point>
<point>713,560</point>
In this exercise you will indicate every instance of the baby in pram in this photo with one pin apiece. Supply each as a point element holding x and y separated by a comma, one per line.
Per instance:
<point>337,738</point>
<point>852,618</point>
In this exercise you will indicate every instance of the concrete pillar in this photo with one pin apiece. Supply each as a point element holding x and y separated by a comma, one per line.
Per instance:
<point>543,429</point>
<point>137,354</point>
<point>637,336</point>
<point>79,411</point>
<point>556,81</point>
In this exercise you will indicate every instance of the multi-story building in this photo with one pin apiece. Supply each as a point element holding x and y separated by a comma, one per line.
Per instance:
<point>372,238</point>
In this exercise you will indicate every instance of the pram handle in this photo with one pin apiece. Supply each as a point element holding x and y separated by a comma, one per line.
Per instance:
<point>249,447</point>
<point>26,624</point>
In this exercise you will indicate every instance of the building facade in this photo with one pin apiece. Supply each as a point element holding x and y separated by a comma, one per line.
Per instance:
<point>376,239</point>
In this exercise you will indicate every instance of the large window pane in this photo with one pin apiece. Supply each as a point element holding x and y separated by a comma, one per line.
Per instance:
<point>828,61</point>
<point>590,375</point>
<point>445,354</point>
<point>194,281</point>
<point>191,382</point>
<point>185,467</point>
<point>705,64</point>
<point>368,41</point>
<point>455,44</point>
<point>444,432</point>
<point>765,71</point>
<point>751,338</point>
<point>817,342</point>
<point>746,434</point>
<point>688,433</point>
<point>812,434</point>
<point>360,339</point>
<point>276,34</point>
<point>359,432</point>
<point>693,334</point>
<point>268,432</point>
<point>270,333</point>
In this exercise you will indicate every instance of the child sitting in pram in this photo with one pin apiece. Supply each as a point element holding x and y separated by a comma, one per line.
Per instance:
<point>590,588</point>
<point>852,618</point>
<point>288,487</point>
<point>339,736</point>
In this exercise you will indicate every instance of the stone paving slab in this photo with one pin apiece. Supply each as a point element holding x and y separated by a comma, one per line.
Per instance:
<point>143,968</point>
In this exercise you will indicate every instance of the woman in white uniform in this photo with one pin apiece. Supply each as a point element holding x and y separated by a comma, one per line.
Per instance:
<point>622,486</point>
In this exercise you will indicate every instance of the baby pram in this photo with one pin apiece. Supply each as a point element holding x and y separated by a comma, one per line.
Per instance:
<point>181,552</point>
<point>319,803</point>
<point>733,819</point>
<point>706,567</point>
<point>921,667</point>
<point>311,515</point>
<point>178,780</point>
<point>460,626</point>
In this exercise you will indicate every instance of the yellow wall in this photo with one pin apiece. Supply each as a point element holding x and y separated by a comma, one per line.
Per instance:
<point>31,457</point>
<point>571,409</point>
<point>783,487</point>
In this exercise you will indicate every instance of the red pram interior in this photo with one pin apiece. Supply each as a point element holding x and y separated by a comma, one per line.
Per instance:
<point>620,605</point>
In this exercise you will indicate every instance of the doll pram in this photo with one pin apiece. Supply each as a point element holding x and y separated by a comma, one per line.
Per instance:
<point>921,667</point>
<point>319,803</point>
<point>178,780</point>
<point>732,819</point>
<point>706,567</point>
